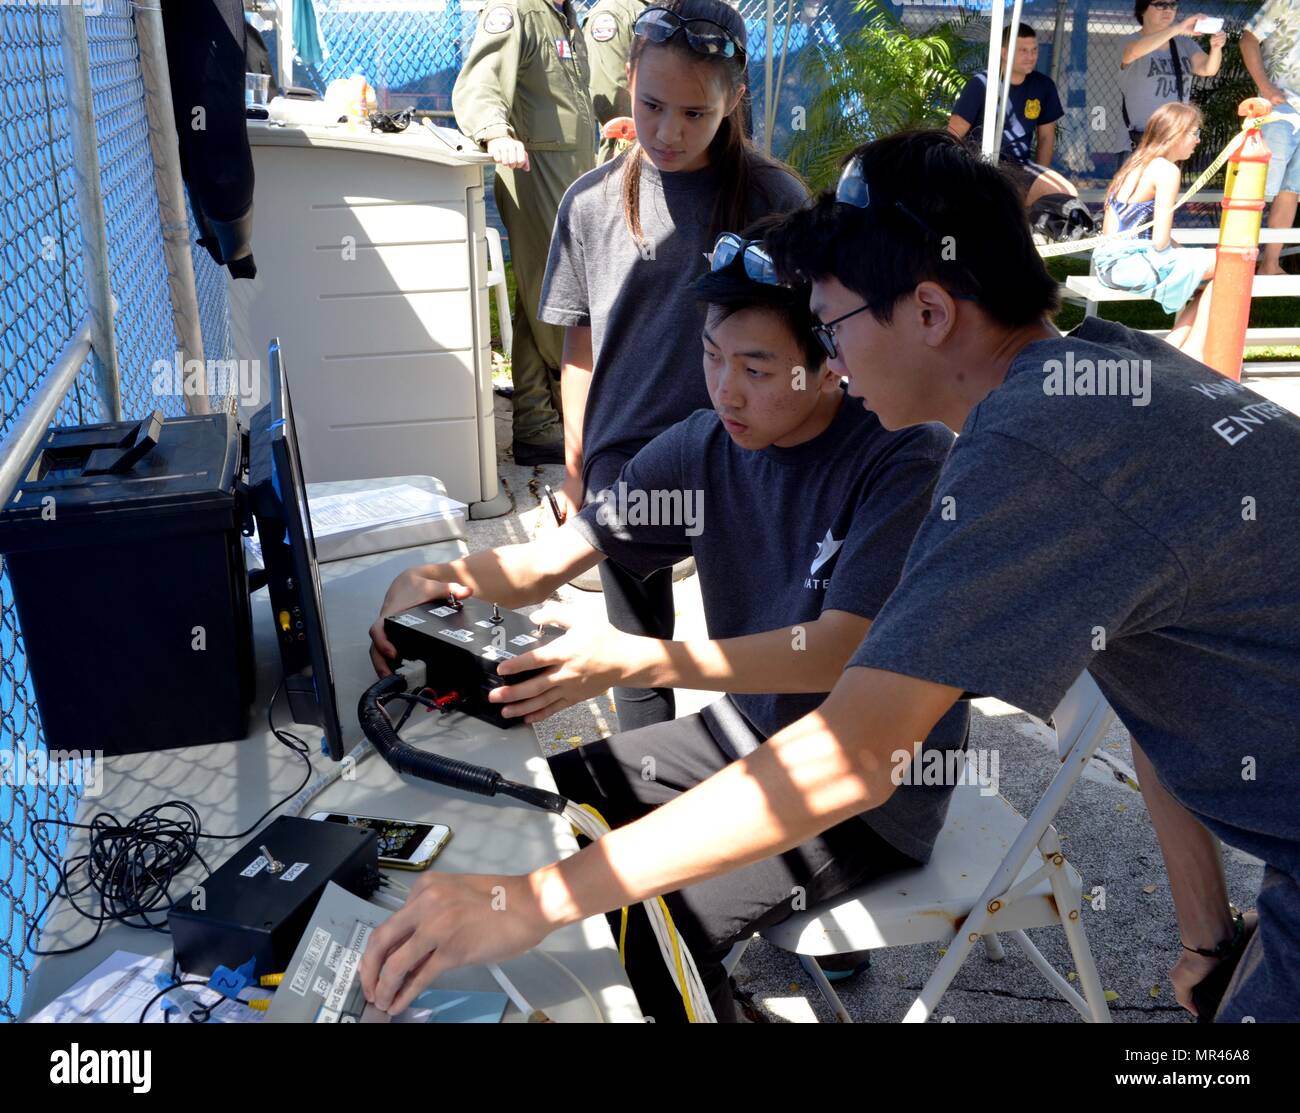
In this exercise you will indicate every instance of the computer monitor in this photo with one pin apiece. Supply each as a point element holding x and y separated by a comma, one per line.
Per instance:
<point>289,556</point>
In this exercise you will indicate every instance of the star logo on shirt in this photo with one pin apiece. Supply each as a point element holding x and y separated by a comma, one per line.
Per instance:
<point>827,547</point>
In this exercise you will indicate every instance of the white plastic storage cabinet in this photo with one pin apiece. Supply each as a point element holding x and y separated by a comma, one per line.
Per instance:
<point>372,269</point>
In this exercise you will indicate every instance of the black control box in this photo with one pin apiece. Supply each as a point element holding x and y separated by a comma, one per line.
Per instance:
<point>254,908</point>
<point>461,643</point>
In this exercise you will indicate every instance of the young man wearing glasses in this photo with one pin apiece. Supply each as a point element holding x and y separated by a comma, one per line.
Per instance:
<point>1107,496</point>
<point>1159,62</point>
<point>799,510</point>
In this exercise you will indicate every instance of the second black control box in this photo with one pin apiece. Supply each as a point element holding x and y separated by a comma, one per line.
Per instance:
<point>461,644</point>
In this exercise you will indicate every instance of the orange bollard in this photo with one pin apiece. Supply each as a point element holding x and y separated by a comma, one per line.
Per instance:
<point>1234,268</point>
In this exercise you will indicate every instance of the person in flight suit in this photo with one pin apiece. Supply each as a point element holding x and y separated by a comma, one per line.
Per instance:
<point>522,95</point>
<point>608,31</point>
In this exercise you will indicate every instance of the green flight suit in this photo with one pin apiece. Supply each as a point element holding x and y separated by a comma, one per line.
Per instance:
<point>608,31</point>
<point>525,76</point>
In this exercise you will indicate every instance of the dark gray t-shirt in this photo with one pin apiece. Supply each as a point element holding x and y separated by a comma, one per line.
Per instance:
<point>1167,532</point>
<point>645,321</point>
<point>778,536</point>
<point>1150,81</point>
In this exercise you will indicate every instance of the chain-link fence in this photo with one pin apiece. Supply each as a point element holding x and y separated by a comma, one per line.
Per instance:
<point>43,302</point>
<point>411,52</point>
<point>1080,46</point>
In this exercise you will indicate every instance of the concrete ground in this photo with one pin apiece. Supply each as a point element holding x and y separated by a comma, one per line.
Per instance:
<point>1104,829</point>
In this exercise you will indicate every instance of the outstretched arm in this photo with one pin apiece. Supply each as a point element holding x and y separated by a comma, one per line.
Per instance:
<point>823,769</point>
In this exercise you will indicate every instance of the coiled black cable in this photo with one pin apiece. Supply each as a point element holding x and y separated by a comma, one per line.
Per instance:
<point>131,867</point>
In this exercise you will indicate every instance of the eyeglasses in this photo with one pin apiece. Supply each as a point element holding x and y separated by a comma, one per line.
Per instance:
<point>826,333</point>
<point>1164,5</point>
<point>704,36</point>
<point>757,262</point>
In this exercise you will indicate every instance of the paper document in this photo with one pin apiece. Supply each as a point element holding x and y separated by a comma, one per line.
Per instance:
<point>333,514</point>
<point>354,513</point>
<point>121,986</point>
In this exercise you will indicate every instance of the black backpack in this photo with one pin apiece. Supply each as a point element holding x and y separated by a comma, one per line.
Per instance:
<point>1058,216</point>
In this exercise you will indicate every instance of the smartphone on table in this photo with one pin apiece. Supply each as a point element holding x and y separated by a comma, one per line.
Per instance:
<point>404,844</point>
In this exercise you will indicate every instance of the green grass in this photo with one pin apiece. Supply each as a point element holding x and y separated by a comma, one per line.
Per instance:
<point>1265,313</point>
<point>492,306</point>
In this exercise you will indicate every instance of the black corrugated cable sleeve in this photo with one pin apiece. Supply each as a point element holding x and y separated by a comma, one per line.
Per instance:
<point>377,728</point>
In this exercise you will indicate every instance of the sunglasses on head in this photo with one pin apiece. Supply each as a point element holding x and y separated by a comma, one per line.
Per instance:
<point>704,36</point>
<point>757,262</point>
<point>854,189</point>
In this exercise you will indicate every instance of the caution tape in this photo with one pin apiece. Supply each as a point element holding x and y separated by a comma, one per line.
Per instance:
<point>1070,247</point>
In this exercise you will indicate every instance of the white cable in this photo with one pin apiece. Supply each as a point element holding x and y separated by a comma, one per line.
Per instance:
<point>694,990</point>
<point>595,1007</point>
<point>353,758</point>
<point>520,1002</point>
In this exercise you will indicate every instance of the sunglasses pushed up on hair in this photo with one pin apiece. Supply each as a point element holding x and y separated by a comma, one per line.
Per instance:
<point>854,189</point>
<point>703,36</point>
<point>757,262</point>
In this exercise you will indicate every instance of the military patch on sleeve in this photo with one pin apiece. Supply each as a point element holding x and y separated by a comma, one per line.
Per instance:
<point>498,19</point>
<point>604,27</point>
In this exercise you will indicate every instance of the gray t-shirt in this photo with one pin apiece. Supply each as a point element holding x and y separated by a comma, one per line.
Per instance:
<point>778,536</point>
<point>645,321</point>
<point>1156,545</point>
<point>1149,82</point>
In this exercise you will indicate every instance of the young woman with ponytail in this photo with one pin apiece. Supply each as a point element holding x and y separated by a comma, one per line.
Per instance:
<point>630,237</point>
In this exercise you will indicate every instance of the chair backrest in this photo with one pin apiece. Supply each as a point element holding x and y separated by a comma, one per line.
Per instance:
<point>1083,715</point>
<point>1081,718</point>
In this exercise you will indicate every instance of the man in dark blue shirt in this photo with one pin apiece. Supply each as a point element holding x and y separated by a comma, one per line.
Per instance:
<point>1033,107</point>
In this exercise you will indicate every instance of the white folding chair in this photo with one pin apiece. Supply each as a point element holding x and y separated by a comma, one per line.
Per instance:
<point>945,901</point>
